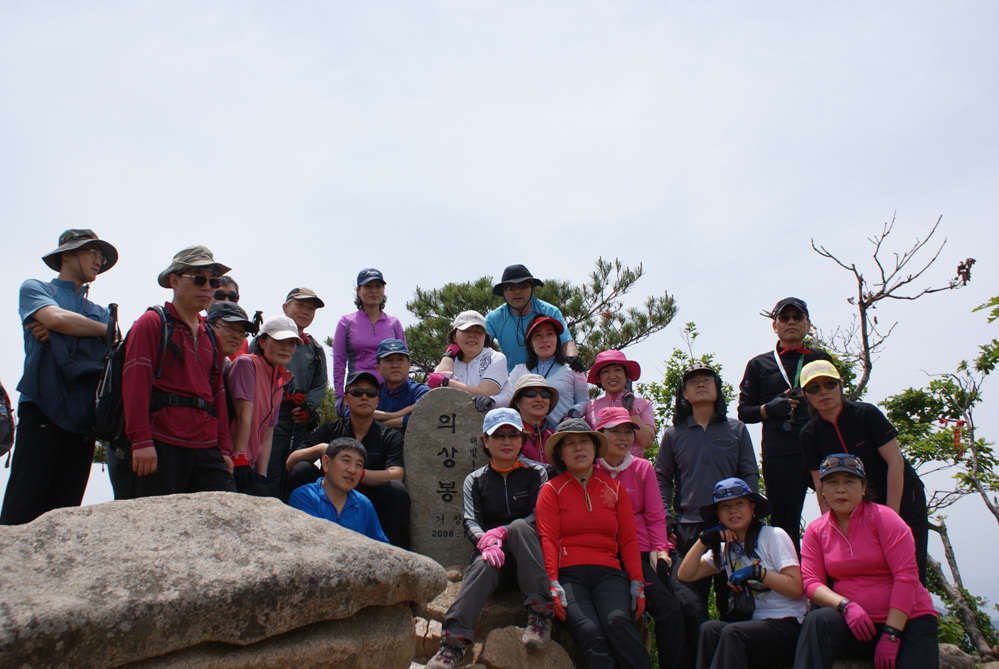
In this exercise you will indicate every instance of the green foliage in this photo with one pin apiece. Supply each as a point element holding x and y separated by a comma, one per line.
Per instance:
<point>951,629</point>
<point>594,312</point>
<point>994,304</point>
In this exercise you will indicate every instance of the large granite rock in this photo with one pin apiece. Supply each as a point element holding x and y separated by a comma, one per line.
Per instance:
<point>503,650</point>
<point>442,448</point>
<point>123,582</point>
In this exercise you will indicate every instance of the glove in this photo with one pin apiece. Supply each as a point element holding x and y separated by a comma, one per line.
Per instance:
<point>779,407</point>
<point>453,351</point>
<point>295,398</point>
<point>557,592</point>
<point>628,400</point>
<point>755,572</point>
<point>885,653</point>
<point>494,555</point>
<point>244,475</point>
<point>575,364</point>
<point>240,460</point>
<point>712,536</point>
<point>436,380</point>
<point>483,403</point>
<point>671,526</point>
<point>497,535</point>
<point>301,413</point>
<point>860,623</point>
<point>638,598</point>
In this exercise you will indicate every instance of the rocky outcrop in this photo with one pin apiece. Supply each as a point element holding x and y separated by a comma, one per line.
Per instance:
<point>198,580</point>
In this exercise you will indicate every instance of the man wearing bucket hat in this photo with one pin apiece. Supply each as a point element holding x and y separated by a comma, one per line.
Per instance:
<point>508,324</point>
<point>613,373</point>
<point>175,405</point>
<point>770,393</point>
<point>64,345</point>
<point>754,559</point>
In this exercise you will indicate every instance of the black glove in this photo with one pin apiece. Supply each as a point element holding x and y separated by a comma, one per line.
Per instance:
<point>244,475</point>
<point>483,403</point>
<point>575,364</point>
<point>712,536</point>
<point>628,400</point>
<point>779,407</point>
<point>671,526</point>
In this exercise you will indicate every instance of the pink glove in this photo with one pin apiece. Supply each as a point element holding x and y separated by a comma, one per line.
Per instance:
<point>860,623</point>
<point>435,380</point>
<point>497,535</point>
<point>453,351</point>
<point>885,653</point>
<point>494,555</point>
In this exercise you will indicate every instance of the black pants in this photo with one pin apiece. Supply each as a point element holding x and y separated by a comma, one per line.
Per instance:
<point>663,606</point>
<point>825,637</point>
<point>913,511</point>
<point>49,469</point>
<point>787,483</point>
<point>182,470</point>
<point>599,617</point>
<point>770,642</point>
<point>694,596</point>
<point>286,438</point>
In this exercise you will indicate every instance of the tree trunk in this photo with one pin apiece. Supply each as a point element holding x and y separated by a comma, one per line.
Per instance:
<point>955,592</point>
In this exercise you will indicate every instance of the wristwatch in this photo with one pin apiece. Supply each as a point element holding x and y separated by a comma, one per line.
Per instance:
<point>892,633</point>
<point>842,606</point>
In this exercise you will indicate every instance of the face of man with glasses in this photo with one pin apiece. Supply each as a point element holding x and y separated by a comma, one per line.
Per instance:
<point>791,326</point>
<point>700,388</point>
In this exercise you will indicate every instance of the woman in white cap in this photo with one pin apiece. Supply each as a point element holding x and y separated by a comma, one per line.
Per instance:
<point>255,384</point>
<point>760,628</point>
<point>478,369</point>
<point>841,426</point>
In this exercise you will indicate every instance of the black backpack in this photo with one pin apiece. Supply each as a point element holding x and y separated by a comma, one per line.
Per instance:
<point>6,423</point>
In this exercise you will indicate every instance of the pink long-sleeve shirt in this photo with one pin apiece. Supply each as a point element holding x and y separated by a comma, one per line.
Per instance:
<point>874,566</point>
<point>639,481</point>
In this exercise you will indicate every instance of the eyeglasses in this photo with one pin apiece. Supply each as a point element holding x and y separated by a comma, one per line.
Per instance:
<point>817,387</point>
<point>366,392</point>
<point>785,317</point>
<point>234,329</point>
<point>545,394</point>
<point>221,296</point>
<point>96,254</point>
<point>200,280</point>
<point>700,381</point>
<point>851,461</point>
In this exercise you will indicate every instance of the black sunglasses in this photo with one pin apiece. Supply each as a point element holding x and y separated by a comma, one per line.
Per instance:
<point>817,387</point>
<point>545,394</point>
<point>366,392</point>
<point>221,296</point>
<point>200,280</point>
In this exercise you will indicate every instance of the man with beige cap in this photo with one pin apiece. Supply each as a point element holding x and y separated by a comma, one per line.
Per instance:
<point>64,347</point>
<point>175,406</point>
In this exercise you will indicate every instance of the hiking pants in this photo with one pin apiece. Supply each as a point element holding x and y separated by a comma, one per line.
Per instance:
<point>663,606</point>
<point>825,637</point>
<point>181,470</point>
<point>750,643</point>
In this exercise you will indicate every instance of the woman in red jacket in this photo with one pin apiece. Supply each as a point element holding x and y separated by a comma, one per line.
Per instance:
<point>587,532</point>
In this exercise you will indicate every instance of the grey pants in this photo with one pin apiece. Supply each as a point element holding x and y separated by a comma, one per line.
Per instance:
<point>523,559</point>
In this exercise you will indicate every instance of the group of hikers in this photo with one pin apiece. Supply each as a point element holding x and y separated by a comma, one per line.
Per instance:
<point>568,509</point>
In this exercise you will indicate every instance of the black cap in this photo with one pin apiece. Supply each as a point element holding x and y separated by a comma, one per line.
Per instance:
<point>693,369</point>
<point>795,302</point>
<point>515,274</point>
<point>357,376</point>
<point>368,275</point>
<point>230,313</point>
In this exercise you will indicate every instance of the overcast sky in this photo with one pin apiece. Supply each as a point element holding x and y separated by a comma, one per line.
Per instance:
<point>441,141</point>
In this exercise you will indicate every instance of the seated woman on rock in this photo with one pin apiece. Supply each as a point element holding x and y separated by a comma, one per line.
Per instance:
<point>613,373</point>
<point>546,358</point>
<point>587,533</point>
<point>757,558</point>
<point>499,504</point>
<point>477,368</point>
<point>534,399</point>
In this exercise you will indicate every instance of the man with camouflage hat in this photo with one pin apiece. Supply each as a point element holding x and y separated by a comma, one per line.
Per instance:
<point>64,345</point>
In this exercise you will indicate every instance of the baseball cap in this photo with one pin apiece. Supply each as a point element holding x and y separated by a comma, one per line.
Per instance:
<point>368,275</point>
<point>817,369</point>
<point>279,328</point>
<point>230,312</point>
<point>305,294</point>
<point>467,319</point>
<point>841,462</point>
<point>391,346</point>
<point>497,418</point>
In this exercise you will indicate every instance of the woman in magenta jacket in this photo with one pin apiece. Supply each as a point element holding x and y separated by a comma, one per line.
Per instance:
<point>858,564</point>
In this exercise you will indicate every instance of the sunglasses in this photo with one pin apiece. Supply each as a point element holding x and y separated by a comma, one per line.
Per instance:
<point>221,296</point>
<point>366,392</point>
<point>794,316</point>
<point>851,461</point>
<point>545,394</point>
<point>817,387</point>
<point>729,493</point>
<point>517,286</point>
<point>200,280</point>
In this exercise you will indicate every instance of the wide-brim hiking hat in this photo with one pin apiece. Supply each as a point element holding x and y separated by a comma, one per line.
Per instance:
<point>390,347</point>
<point>612,357</point>
<point>497,418</point>
<point>279,328</point>
<point>193,257</point>
<point>612,417</point>
<point>73,239</point>
<point>528,381</point>
<point>369,274</point>
<point>694,369</point>
<point>574,426</point>
<point>842,462</point>
<point>467,319</point>
<point>230,313</point>
<point>515,274</point>
<point>818,369</point>
<point>541,320</point>
<point>303,293</point>
<point>795,302</point>
<point>733,488</point>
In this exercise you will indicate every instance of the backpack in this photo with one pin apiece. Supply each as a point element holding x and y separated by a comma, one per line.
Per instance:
<point>109,404</point>
<point>7,423</point>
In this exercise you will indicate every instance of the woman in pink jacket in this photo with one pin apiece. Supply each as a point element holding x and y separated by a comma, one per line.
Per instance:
<point>639,481</point>
<point>858,563</point>
<point>613,373</point>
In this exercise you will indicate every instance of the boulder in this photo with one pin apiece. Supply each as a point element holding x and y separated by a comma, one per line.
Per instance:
<point>952,657</point>
<point>127,581</point>
<point>502,649</point>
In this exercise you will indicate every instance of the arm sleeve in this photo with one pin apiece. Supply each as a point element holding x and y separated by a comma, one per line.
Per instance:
<point>303,501</point>
<point>340,354</point>
<point>320,380</point>
<point>645,412</point>
<point>137,378</point>
<point>400,332</point>
<point>549,528</point>
<point>810,455</point>
<point>749,395</point>
<point>496,371</point>
<point>813,566</point>
<point>503,397</point>
<point>538,481</point>
<point>33,296</point>
<point>879,427</point>
<point>419,390</point>
<point>780,550</point>
<point>748,470</point>
<point>627,540</point>
<point>472,506</point>
<point>321,435</point>
<point>392,440</point>
<point>655,511</point>
<point>242,375</point>
<point>900,552</point>
<point>580,392</point>
<point>373,527</point>
<point>665,467</point>
<point>221,408</point>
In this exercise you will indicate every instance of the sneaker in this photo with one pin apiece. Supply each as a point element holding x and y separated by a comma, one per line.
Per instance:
<point>539,629</point>
<point>447,657</point>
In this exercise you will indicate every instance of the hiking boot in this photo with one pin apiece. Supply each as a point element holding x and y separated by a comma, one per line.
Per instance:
<point>539,629</point>
<point>447,657</point>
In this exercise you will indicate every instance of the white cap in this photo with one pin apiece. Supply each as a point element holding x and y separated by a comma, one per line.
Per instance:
<point>280,327</point>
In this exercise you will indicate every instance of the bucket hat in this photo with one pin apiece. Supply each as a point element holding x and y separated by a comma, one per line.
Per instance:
<point>535,381</point>
<point>73,239</point>
<point>733,488</point>
<point>612,357</point>
<point>515,274</point>
<point>193,257</point>
<point>574,426</point>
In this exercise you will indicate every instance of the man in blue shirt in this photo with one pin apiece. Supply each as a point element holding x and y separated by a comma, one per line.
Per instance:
<point>508,324</point>
<point>64,345</point>
<point>399,393</point>
<point>333,496</point>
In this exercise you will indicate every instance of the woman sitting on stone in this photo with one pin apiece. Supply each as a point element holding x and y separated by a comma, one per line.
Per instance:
<point>613,373</point>
<point>587,533</point>
<point>469,364</point>
<point>499,502</point>
<point>534,399</point>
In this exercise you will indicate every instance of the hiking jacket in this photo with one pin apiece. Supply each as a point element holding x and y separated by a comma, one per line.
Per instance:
<point>491,499</point>
<point>355,344</point>
<point>252,378</point>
